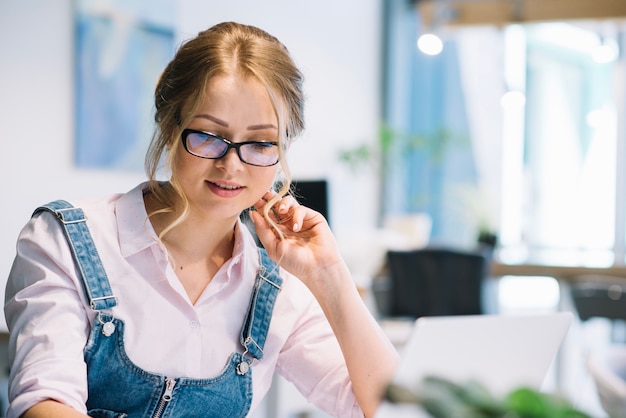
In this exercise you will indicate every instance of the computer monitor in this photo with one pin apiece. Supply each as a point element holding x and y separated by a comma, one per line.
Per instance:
<point>311,193</point>
<point>314,194</point>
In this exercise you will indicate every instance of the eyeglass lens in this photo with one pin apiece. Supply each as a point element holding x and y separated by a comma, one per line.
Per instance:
<point>205,145</point>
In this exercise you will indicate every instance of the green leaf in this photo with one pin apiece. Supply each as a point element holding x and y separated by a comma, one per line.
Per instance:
<point>442,398</point>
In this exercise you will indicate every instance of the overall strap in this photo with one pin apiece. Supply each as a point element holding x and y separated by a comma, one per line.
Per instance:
<point>266,288</point>
<point>85,254</point>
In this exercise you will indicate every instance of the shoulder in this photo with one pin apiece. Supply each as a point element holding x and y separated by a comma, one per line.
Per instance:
<point>43,233</point>
<point>45,224</point>
<point>94,206</point>
<point>101,206</point>
<point>43,240</point>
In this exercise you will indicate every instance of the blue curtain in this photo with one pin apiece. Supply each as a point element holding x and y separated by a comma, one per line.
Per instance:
<point>429,157</point>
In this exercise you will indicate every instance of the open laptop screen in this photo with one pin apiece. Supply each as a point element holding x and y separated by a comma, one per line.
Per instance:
<point>502,352</point>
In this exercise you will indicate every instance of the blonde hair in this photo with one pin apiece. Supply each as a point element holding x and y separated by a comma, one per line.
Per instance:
<point>226,48</point>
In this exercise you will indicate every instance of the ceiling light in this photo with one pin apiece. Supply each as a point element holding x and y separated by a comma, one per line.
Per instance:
<point>430,44</point>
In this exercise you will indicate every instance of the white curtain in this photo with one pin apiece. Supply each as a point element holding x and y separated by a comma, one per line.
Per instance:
<point>481,61</point>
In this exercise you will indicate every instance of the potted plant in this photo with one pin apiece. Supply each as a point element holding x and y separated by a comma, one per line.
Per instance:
<point>434,397</point>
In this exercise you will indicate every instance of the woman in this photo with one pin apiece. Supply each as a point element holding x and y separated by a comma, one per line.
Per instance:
<point>163,305</point>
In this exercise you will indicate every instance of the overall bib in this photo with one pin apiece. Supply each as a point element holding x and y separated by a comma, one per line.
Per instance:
<point>118,387</point>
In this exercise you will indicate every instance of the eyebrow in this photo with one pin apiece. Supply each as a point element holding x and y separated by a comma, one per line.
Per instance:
<point>212,118</point>
<point>263,126</point>
<point>225,124</point>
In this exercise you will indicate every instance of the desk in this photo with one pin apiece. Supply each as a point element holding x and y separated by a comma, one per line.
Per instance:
<point>565,273</point>
<point>568,277</point>
<point>565,276</point>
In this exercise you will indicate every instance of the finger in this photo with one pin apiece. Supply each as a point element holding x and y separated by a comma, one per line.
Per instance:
<point>268,195</point>
<point>264,232</point>
<point>298,217</point>
<point>286,204</point>
<point>260,204</point>
<point>257,219</point>
<point>282,211</point>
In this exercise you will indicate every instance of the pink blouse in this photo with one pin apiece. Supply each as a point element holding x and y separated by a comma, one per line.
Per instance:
<point>49,318</point>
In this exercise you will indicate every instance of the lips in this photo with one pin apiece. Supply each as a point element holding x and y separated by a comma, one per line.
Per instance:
<point>226,186</point>
<point>225,190</point>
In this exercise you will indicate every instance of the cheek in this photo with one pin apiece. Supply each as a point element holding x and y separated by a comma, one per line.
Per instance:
<point>177,160</point>
<point>266,179</point>
<point>188,173</point>
<point>185,163</point>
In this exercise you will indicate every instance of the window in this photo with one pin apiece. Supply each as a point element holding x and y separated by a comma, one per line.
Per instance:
<point>533,145</point>
<point>559,179</point>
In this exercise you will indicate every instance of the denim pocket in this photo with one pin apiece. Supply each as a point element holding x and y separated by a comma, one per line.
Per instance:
<point>105,413</point>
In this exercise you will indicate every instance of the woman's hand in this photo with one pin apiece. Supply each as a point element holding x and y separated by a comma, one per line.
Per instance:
<point>307,249</point>
<point>307,246</point>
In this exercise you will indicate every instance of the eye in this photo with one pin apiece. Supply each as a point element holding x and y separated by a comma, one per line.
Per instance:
<point>262,147</point>
<point>198,139</point>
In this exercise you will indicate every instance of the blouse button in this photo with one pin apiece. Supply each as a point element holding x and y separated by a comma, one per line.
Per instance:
<point>193,323</point>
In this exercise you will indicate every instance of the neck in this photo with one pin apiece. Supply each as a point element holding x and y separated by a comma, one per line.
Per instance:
<point>195,237</point>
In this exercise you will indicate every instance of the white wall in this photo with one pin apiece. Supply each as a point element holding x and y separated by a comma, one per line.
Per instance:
<point>335,43</point>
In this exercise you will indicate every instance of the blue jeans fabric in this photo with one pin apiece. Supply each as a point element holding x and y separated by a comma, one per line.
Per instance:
<point>119,388</point>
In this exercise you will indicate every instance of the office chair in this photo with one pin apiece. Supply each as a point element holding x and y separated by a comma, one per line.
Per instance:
<point>435,281</point>
<point>601,297</point>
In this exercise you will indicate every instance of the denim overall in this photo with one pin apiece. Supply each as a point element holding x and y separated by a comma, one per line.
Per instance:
<point>119,388</point>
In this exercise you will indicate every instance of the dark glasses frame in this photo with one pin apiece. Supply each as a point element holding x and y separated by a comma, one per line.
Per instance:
<point>229,145</point>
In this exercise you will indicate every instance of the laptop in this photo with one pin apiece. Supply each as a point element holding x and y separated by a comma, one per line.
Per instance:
<point>503,352</point>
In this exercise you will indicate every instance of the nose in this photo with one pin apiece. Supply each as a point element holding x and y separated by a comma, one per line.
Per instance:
<point>230,161</point>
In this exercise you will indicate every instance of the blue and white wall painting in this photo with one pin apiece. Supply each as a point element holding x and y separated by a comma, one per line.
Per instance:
<point>122,46</point>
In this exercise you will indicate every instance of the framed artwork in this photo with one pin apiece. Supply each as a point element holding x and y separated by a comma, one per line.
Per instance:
<point>121,48</point>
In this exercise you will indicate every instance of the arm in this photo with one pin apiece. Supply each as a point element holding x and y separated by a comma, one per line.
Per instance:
<point>52,409</point>
<point>47,321</point>
<point>308,251</point>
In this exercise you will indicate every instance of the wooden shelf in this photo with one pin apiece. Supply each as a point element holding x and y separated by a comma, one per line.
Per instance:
<point>502,12</point>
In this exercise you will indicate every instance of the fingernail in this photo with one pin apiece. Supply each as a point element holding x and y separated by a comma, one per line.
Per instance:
<point>296,227</point>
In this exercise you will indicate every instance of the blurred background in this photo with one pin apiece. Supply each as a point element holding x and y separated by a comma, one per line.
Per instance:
<point>503,136</point>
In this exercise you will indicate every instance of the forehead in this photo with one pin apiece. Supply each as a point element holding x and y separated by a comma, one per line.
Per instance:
<point>228,91</point>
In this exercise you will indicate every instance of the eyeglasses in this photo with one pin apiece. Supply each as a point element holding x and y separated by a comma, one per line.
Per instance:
<point>206,145</point>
